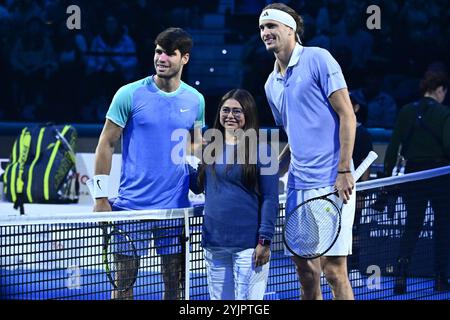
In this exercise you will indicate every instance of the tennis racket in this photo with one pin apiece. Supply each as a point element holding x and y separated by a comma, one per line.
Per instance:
<point>312,228</point>
<point>119,256</point>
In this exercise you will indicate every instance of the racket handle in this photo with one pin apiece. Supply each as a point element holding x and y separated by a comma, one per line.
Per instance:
<point>364,165</point>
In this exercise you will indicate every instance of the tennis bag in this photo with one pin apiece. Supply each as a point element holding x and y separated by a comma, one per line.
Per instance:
<point>42,167</point>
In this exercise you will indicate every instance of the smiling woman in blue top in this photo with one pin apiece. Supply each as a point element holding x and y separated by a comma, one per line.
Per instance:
<point>145,113</point>
<point>241,204</point>
<point>308,97</point>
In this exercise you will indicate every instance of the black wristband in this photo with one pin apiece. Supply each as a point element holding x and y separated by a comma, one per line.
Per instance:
<point>345,171</point>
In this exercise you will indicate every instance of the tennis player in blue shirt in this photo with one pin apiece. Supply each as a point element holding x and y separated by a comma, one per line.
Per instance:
<point>308,96</point>
<point>145,113</point>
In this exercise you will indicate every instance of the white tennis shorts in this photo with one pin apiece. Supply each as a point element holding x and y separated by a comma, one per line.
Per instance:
<point>343,244</point>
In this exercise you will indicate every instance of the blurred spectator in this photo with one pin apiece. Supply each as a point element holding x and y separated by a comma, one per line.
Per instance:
<point>5,79</point>
<point>257,64</point>
<point>422,133</point>
<point>54,11</point>
<point>421,37</point>
<point>411,36</point>
<point>313,38</point>
<point>311,8</point>
<point>330,19</point>
<point>69,88</point>
<point>141,12</point>
<point>32,61</point>
<point>23,10</point>
<point>358,41</point>
<point>403,88</point>
<point>111,61</point>
<point>381,107</point>
<point>4,13</point>
<point>113,52</point>
<point>248,6</point>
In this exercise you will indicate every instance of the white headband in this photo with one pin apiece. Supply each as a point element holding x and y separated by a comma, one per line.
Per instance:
<point>280,16</point>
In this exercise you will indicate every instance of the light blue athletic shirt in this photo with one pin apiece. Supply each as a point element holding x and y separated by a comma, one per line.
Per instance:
<point>149,178</point>
<point>299,103</point>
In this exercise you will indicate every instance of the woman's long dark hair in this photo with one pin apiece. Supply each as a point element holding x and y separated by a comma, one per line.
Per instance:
<point>249,168</point>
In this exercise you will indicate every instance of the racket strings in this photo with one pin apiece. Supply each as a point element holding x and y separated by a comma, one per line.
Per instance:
<point>122,262</point>
<point>312,228</point>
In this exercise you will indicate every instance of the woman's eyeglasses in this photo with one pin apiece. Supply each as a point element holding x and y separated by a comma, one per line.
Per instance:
<point>235,111</point>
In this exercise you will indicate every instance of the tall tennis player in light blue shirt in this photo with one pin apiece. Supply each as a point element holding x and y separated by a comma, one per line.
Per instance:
<point>145,113</point>
<point>308,97</point>
<point>299,103</point>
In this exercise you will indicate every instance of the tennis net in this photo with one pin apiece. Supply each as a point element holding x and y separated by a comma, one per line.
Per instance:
<point>57,253</point>
<point>401,237</point>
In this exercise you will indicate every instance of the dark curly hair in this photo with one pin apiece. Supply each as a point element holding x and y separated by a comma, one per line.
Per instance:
<point>172,39</point>
<point>433,80</point>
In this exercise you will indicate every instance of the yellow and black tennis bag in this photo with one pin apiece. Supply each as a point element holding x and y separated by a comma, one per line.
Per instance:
<point>42,167</point>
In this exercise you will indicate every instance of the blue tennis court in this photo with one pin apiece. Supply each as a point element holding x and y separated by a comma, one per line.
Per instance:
<point>92,284</point>
<point>59,255</point>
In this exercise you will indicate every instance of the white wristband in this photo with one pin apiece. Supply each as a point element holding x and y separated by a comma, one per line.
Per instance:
<point>101,186</point>
<point>90,185</point>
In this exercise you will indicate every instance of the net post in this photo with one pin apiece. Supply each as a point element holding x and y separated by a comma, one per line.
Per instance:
<point>187,256</point>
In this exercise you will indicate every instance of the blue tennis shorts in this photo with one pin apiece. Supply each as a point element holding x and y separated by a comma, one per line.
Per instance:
<point>165,235</point>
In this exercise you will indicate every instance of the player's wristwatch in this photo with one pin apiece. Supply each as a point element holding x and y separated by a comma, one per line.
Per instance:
<point>264,242</point>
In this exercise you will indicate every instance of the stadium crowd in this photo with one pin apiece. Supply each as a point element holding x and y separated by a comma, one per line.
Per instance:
<point>51,73</point>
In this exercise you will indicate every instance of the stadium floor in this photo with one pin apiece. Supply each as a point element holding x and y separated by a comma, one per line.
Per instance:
<point>22,284</point>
